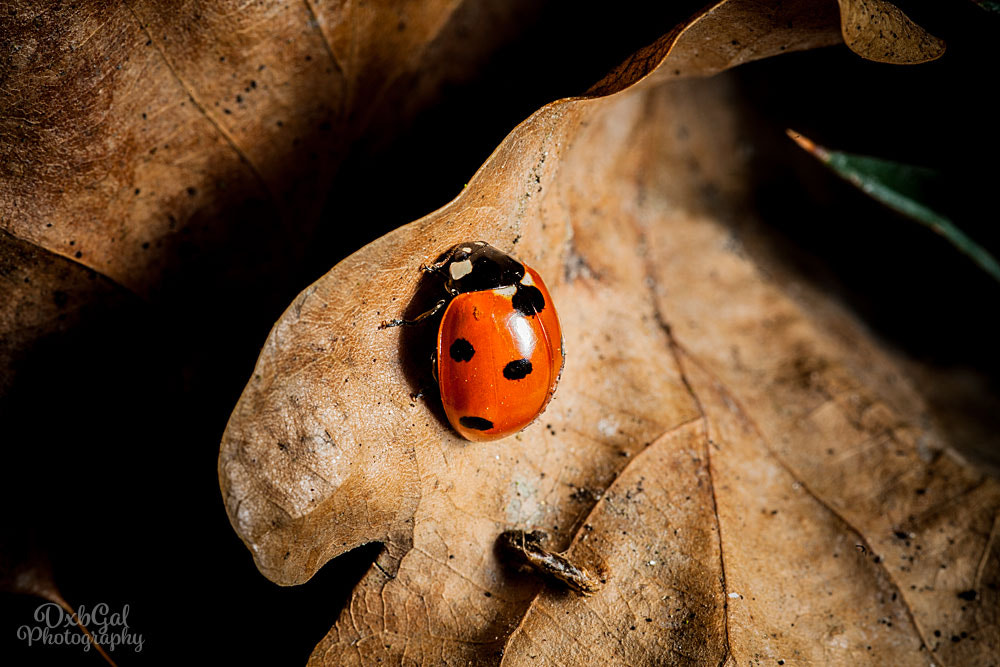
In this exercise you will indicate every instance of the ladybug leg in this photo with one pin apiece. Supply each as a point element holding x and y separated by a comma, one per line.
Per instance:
<point>424,390</point>
<point>417,320</point>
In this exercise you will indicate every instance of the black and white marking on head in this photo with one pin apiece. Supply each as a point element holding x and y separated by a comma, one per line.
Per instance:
<point>517,369</point>
<point>461,350</point>
<point>509,290</point>
<point>458,270</point>
<point>478,266</point>
<point>476,423</point>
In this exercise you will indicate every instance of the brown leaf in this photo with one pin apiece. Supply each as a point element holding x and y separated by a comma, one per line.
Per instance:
<point>45,296</point>
<point>768,483</point>
<point>878,30</point>
<point>25,570</point>
<point>340,309</point>
<point>136,138</point>
<point>145,145</point>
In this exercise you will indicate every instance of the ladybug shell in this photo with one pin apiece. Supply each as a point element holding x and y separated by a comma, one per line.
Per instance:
<point>497,367</point>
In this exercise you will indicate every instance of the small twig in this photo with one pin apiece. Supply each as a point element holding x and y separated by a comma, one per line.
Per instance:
<point>527,548</point>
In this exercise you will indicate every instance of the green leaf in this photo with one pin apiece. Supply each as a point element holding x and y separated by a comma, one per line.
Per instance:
<point>989,5</point>
<point>904,188</point>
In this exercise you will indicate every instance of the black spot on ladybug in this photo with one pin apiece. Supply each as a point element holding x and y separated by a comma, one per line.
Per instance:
<point>476,423</point>
<point>461,350</point>
<point>517,369</point>
<point>528,300</point>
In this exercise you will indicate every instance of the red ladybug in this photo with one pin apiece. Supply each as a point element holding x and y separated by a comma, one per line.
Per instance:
<point>499,345</point>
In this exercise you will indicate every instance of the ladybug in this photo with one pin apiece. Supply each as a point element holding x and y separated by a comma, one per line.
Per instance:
<point>499,352</point>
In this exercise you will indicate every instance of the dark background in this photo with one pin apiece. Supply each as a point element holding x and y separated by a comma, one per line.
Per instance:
<point>110,438</point>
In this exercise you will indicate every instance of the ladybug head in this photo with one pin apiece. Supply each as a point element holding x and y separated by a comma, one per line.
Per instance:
<point>477,266</point>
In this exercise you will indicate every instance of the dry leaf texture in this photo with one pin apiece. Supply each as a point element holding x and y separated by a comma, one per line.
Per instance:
<point>760,481</point>
<point>132,133</point>
<point>880,31</point>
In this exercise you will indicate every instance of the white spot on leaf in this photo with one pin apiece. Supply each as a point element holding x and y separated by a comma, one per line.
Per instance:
<point>608,427</point>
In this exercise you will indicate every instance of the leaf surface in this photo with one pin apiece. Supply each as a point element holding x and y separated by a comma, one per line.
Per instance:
<point>879,30</point>
<point>756,474</point>
<point>145,140</point>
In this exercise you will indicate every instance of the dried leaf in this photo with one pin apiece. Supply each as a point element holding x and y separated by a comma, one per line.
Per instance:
<point>153,147</point>
<point>130,137</point>
<point>45,296</point>
<point>878,30</point>
<point>139,139</point>
<point>24,569</point>
<point>755,474</point>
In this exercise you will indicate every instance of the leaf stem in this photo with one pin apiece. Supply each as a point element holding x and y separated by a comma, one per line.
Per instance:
<point>898,187</point>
